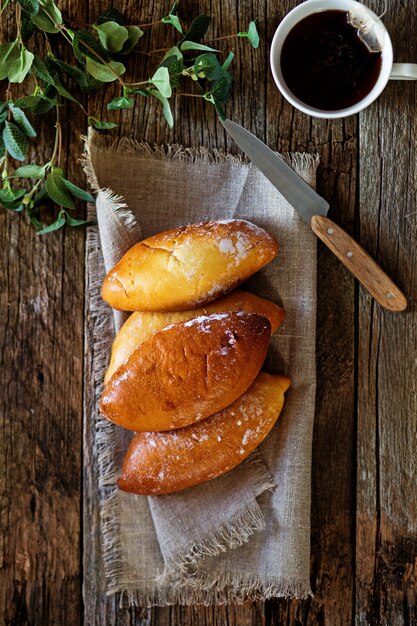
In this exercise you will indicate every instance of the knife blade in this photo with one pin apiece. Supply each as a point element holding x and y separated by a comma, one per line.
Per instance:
<point>313,209</point>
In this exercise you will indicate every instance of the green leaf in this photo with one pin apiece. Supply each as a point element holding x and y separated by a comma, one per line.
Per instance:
<point>77,75</point>
<point>22,121</point>
<point>175,67</point>
<point>49,17</point>
<point>251,34</point>
<point>191,45</point>
<point>31,171</point>
<point>111,15</point>
<point>27,27</point>
<point>161,81</point>
<point>141,92</point>
<point>207,66</point>
<point>82,37</point>
<point>40,198</point>
<point>63,91</point>
<point>172,19</point>
<point>30,6</point>
<point>77,192</point>
<point>27,102</point>
<point>72,221</point>
<point>11,199</point>
<point>103,72</point>
<point>112,36</point>
<point>15,141</point>
<point>57,189</point>
<point>4,109</point>
<point>228,61</point>
<point>101,125</point>
<point>120,103</point>
<point>93,85</point>
<point>173,52</point>
<point>20,67</point>
<point>221,87</point>
<point>219,110</point>
<point>59,223</point>
<point>135,33</point>
<point>198,28</point>
<point>40,70</point>
<point>9,52</point>
<point>165,107</point>
<point>33,219</point>
<point>8,195</point>
<point>37,104</point>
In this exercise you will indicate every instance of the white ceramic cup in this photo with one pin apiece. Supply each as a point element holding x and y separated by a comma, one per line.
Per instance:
<point>389,70</point>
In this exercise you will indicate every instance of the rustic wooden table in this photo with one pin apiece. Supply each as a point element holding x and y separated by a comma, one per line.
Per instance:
<point>364,513</point>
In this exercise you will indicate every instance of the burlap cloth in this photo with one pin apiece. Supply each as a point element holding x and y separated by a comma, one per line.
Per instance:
<point>245,534</point>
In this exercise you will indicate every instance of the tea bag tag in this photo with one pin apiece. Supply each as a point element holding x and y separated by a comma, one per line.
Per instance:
<point>370,32</point>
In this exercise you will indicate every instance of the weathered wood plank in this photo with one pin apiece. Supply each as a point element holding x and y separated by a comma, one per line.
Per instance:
<point>41,317</point>
<point>333,513</point>
<point>386,550</point>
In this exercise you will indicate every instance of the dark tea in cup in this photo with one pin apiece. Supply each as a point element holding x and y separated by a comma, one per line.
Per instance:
<point>325,64</point>
<point>338,58</point>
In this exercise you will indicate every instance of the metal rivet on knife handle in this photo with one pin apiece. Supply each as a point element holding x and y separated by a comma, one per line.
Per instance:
<point>357,261</point>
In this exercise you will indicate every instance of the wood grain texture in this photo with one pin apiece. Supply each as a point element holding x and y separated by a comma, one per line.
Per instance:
<point>364,510</point>
<point>386,549</point>
<point>41,343</point>
<point>359,263</point>
<point>333,505</point>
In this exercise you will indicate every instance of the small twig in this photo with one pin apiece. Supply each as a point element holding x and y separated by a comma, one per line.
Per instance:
<point>57,147</point>
<point>8,98</point>
<point>62,30</point>
<point>18,22</point>
<point>189,95</point>
<point>148,54</point>
<point>221,38</point>
<point>150,24</point>
<point>159,50</point>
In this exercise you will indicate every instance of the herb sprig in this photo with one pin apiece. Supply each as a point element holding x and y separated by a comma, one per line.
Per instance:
<point>100,54</point>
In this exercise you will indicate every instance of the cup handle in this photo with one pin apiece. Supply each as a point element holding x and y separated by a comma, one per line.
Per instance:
<point>404,71</point>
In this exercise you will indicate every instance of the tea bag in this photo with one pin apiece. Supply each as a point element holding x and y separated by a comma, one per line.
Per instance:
<point>370,31</point>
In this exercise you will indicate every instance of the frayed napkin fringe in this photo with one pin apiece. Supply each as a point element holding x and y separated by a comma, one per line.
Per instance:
<point>102,339</point>
<point>219,589</point>
<point>233,533</point>
<point>176,152</point>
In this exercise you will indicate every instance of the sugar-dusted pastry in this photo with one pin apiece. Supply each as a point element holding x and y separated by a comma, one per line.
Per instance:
<point>187,371</point>
<point>141,325</point>
<point>188,267</point>
<point>158,463</point>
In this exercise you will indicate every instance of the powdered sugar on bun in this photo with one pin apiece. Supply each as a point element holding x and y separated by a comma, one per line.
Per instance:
<point>158,463</point>
<point>187,372</point>
<point>189,266</point>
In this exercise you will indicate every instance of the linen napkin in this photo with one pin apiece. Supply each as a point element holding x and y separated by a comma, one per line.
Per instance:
<point>246,534</point>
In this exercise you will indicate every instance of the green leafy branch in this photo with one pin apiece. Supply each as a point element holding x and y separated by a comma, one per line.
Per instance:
<point>100,54</point>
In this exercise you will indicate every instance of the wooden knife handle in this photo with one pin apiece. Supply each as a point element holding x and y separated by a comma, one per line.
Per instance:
<point>357,261</point>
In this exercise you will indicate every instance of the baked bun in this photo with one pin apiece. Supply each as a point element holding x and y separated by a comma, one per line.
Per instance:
<point>158,463</point>
<point>188,267</point>
<point>187,371</point>
<point>141,325</point>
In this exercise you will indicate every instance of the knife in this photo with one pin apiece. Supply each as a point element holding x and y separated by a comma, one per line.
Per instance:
<point>313,209</point>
